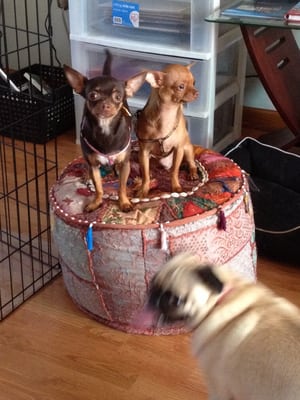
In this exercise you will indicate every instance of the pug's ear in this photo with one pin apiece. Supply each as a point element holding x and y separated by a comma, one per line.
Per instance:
<point>209,278</point>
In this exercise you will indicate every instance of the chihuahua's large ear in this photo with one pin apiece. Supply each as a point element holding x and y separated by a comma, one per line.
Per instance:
<point>76,80</point>
<point>155,78</point>
<point>133,84</point>
<point>189,66</point>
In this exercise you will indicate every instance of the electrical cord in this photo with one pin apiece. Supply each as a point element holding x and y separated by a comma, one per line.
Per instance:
<point>48,29</point>
<point>65,23</point>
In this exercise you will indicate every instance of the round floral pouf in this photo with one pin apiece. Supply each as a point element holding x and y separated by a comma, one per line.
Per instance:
<point>109,257</point>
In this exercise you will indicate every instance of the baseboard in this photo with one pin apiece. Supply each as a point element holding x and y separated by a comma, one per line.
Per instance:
<point>262,119</point>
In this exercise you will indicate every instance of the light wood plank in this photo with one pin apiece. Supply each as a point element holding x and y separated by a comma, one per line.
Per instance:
<point>51,350</point>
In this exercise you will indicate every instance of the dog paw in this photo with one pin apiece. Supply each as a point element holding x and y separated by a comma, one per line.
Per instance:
<point>193,176</point>
<point>140,194</point>
<point>126,207</point>
<point>92,206</point>
<point>176,188</point>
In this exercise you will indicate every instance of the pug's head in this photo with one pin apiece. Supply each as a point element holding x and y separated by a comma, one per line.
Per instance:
<point>184,289</point>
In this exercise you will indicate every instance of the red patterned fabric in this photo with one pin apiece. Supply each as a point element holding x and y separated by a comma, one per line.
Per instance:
<point>224,180</point>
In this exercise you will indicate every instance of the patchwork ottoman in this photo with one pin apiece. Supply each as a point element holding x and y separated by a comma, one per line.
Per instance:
<point>108,257</point>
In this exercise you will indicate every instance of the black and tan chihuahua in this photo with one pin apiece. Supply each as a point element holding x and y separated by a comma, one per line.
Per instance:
<point>106,126</point>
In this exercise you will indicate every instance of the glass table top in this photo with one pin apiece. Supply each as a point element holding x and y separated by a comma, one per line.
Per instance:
<point>256,21</point>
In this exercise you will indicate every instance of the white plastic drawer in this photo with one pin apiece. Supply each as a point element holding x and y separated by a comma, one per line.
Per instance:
<point>224,120</point>
<point>198,131</point>
<point>89,59</point>
<point>227,66</point>
<point>169,26</point>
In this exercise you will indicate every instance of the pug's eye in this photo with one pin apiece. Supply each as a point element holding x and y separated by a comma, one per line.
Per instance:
<point>171,300</point>
<point>117,97</point>
<point>176,301</point>
<point>94,96</point>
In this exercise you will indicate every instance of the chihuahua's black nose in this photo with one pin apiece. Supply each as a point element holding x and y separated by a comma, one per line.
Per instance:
<point>106,106</point>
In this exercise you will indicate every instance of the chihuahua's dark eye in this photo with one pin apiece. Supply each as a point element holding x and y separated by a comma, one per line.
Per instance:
<point>117,97</point>
<point>94,96</point>
<point>181,86</point>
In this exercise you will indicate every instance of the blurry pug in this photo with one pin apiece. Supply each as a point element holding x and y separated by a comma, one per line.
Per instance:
<point>246,338</point>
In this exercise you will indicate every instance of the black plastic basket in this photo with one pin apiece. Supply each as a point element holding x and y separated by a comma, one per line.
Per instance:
<point>34,117</point>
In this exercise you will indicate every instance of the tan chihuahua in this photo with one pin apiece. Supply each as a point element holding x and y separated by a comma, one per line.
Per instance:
<point>161,125</point>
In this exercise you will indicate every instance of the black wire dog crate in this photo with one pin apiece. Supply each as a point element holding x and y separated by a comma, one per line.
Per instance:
<point>35,106</point>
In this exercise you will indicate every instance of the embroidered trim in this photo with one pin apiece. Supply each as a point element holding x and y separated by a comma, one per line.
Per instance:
<point>58,210</point>
<point>136,200</point>
<point>202,182</point>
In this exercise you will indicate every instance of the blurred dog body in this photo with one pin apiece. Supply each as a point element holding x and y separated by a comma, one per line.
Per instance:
<point>246,338</point>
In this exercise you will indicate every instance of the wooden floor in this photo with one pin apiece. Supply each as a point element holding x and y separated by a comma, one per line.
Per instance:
<point>49,350</point>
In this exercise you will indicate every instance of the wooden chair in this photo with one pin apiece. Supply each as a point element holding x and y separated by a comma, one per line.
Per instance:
<point>276,58</point>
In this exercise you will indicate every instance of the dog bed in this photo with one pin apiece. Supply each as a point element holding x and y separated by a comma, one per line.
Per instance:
<point>275,195</point>
<point>109,257</point>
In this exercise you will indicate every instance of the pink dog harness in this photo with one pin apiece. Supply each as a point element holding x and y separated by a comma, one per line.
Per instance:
<point>108,158</point>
